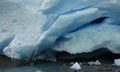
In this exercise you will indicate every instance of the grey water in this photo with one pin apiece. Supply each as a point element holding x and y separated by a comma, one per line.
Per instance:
<point>61,67</point>
<point>49,67</point>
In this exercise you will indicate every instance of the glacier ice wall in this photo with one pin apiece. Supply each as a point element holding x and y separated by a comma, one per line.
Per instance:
<point>28,27</point>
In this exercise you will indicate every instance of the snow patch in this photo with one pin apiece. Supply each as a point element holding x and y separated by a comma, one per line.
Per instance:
<point>97,62</point>
<point>76,66</point>
<point>38,71</point>
<point>117,62</point>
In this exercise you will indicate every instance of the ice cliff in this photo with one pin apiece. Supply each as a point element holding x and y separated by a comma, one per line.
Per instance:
<point>28,27</point>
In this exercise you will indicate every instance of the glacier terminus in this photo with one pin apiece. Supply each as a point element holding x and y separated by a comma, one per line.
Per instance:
<point>29,27</point>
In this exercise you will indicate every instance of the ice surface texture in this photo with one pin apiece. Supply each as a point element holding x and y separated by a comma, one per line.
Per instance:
<point>28,27</point>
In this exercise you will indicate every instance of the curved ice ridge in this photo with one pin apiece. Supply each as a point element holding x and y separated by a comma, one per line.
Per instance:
<point>29,27</point>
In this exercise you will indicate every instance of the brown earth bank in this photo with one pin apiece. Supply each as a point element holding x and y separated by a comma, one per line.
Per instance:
<point>103,55</point>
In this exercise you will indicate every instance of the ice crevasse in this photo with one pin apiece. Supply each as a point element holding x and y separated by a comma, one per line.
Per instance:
<point>28,27</point>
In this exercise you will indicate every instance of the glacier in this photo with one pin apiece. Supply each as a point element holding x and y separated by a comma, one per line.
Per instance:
<point>29,27</point>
